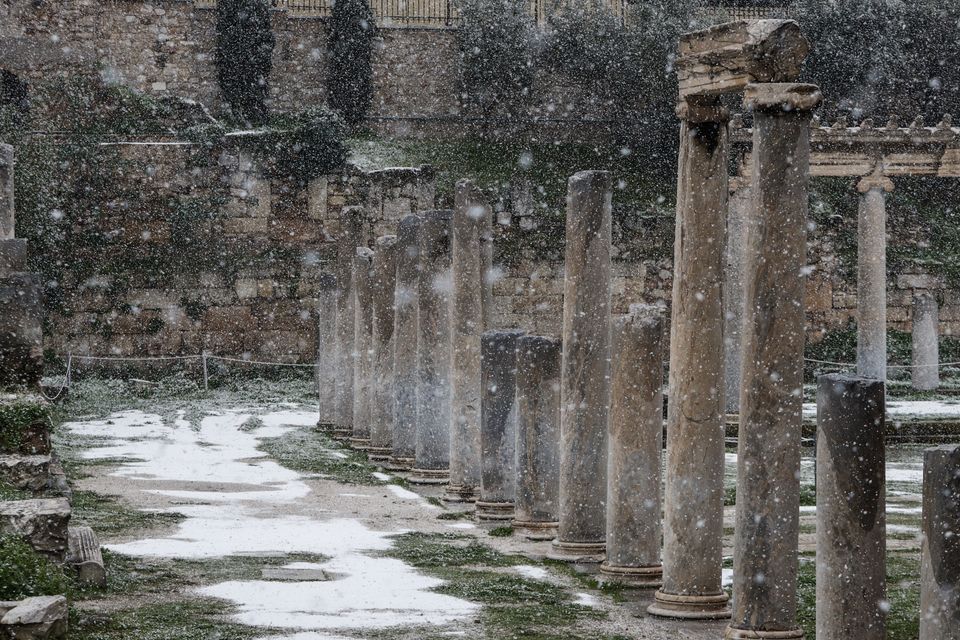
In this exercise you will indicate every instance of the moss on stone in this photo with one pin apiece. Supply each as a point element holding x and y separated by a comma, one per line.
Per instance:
<point>20,414</point>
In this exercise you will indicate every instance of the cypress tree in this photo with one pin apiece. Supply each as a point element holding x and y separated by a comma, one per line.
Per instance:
<point>244,56</point>
<point>350,85</point>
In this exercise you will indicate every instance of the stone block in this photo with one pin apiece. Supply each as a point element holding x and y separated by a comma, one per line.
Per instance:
<point>918,281</point>
<point>42,523</point>
<point>233,318</point>
<point>21,335</point>
<point>13,256</point>
<point>246,288</point>
<point>39,618</point>
<point>32,473</point>
<point>819,294</point>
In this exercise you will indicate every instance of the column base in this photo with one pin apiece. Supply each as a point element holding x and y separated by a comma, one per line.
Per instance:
<point>638,577</point>
<point>342,433</point>
<point>360,444</point>
<point>690,607</point>
<point>326,427</point>
<point>429,476</point>
<point>378,454</point>
<point>398,463</point>
<point>536,531</point>
<point>755,634</point>
<point>578,552</point>
<point>494,511</point>
<point>459,493</point>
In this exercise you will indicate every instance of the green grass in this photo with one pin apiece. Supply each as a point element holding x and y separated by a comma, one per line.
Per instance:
<point>501,532</point>
<point>194,619</point>
<point>9,492</point>
<point>308,451</point>
<point>110,517</point>
<point>441,550</point>
<point>25,573</point>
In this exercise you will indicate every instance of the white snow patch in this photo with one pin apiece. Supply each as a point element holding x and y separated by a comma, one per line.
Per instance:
<point>400,492</point>
<point>462,525</point>
<point>726,577</point>
<point>927,409</point>
<point>382,477</point>
<point>534,573</point>
<point>586,599</point>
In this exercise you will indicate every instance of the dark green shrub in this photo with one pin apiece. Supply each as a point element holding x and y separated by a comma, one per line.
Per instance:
<point>300,147</point>
<point>244,57</point>
<point>17,416</point>
<point>24,573</point>
<point>350,82</point>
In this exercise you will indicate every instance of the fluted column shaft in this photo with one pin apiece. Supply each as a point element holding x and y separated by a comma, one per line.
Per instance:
<point>383,288</point>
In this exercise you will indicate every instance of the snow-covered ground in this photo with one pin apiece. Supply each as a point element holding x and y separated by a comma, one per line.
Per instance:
<point>904,409</point>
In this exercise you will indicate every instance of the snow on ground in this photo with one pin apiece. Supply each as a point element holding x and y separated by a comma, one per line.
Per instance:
<point>369,592</point>
<point>925,409</point>
<point>534,573</point>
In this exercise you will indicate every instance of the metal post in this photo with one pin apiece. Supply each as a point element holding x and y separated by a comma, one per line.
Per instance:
<point>206,375</point>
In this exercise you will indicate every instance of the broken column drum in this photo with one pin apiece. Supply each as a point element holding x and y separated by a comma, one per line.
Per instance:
<point>636,443</point>
<point>940,557</point>
<point>383,286</point>
<point>851,512</point>
<point>363,339</point>
<point>326,374</point>
<point>498,424</point>
<point>405,336</point>
<point>352,235</point>
<point>585,370</point>
<point>693,503</point>
<point>926,349</point>
<point>872,276</point>
<point>470,218</point>
<point>432,464</point>
<point>765,560</point>
<point>538,437</point>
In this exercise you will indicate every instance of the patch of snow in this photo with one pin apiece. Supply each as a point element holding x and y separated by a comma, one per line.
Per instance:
<point>534,573</point>
<point>400,492</point>
<point>911,511</point>
<point>726,577</point>
<point>382,477</point>
<point>462,525</point>
<point>586,599</point>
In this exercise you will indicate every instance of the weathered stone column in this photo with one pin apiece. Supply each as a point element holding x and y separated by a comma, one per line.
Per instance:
<point>470,218</point>
<point>432,465</point>
<point>636,444</point>
<point>326,375</point>
<point>498,425</point>
<point>585,373</point>
<point>940,560</point>
<point>872,276</point>
<point>538,437</point>
<point>383,287</point>
<point>765,557</point>
<point>693,503</point>
<point>851,509</point>
<point>405,336</point>
<point>352,235</point>
<point>363,342</point>
<point>7,209</point>
<point>926,346</point>
<point>487,270</point>
<point>738,213</point>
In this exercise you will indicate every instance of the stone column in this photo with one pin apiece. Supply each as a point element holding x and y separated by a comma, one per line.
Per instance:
<point>872,276</point>
<point>851,509</point>
<point>470,217</point>
<point>738,213</point>
<point>538,437</point>
<point>352,235</point>
<point>432,465</point>
<point>765,557</point>
<point>7,208</point>
<point>940,559</point>
<point>326,375</point>
<point>383,287</point>
<point>926,347</point>
<point>487,270</point>
<point>585,372</point>
<point>363,342</point>
<point>498,425</point>
<point>405,336</point>
<point>693,502</point>
<point>636,444</point>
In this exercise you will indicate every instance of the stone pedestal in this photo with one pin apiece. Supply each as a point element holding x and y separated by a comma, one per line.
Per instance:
<point>363,342</point>
<point>738,214</point>
<point>498,425</point>
<point>765,557</point>
<point>585,373</point>
<point>693,503</point>
<point>851,509</point>
<point>636,444</point>
<point>7,208</point>
<point>352,235</point>
<point>538,437</point>
<point>470,219</point>
<point>872,276</point>
<point>405,336</point>
<point>940,560</point>
<point>326,373</point>
<point>21,331</point>
<point>383,286</point>
<point>926,346</point>
<point>432,464</point>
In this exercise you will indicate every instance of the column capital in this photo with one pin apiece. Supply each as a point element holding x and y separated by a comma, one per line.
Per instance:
<point>696,112</point>
<point>784,97</point>
<point>875,180</point>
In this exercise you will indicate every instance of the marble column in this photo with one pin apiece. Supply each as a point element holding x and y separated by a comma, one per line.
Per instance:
<point>326,373</point>
<point>926,346</point>
<point>432,465</point>
<point>738,213</point>
<point>851,509</point>
<point>765,557</point>
<point>352,234</point>
<point>487,270</point>
<point>6,192</point>
<point>585,370</point>
<point>498,425</point>
<point>363,342</point>
<point>470,217</point>
<point>383,287</point>
<point>872,276</point>
<point>693,502</point>
<point>940,557</point>
<point>538,437</point>
<point>405,336</point>
<point>636,444</point>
